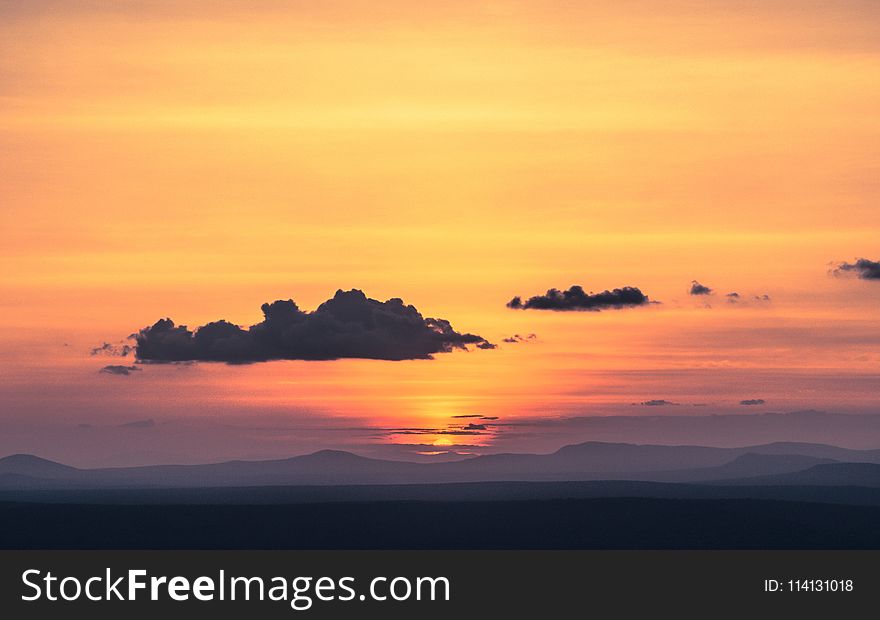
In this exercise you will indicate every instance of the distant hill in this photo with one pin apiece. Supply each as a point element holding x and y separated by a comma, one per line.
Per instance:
<point>744,466</point>
<point>586,461</point>
<point>30,465</point>
<point>818,450</point>
<point>831,474</point>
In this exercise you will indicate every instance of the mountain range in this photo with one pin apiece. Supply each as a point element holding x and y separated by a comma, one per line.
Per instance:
<point>767,464</point>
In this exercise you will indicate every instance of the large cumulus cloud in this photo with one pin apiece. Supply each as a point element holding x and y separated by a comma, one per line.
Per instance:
<point>576,299</point>
<point>350,325</point>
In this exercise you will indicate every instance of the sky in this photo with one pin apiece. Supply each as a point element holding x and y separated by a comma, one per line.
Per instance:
<point>195,160</point>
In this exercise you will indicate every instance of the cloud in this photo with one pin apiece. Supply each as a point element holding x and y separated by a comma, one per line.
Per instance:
<point>115,369</point>
<point>150,423</point>
<point>434,431</point>
<point>107,348</point>
<point>576,299</point>
<point>475,427</point>
<point>655,402</point>
<point>699,289</point>
<point>752,402</point>
<point>516,338</point>
<point>863,268</point>
<point>736,298</point>
<point>350,325</point>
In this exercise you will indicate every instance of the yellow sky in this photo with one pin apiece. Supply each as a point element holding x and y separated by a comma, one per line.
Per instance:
<point>195,159</point>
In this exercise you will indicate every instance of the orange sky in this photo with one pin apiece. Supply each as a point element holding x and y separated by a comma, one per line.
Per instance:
<point>196,159</point>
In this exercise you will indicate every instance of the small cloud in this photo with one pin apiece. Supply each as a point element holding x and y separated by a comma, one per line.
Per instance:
<point>863,268</point>
<point>433,431</point>
<point>575,299</point>
<point>149,423</point>
<point>516,338</point>
<point>699,289</point>
<point>736,298</point>
<point>114,369</point>
<point>486,345</point>
<point>108,348</point>
<point>655,402</point>
<point>475,427</point>
<point>751,402</point>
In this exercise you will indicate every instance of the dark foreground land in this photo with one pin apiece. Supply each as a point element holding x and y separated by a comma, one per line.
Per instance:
<point>594,523</point>
<point>584,496</point>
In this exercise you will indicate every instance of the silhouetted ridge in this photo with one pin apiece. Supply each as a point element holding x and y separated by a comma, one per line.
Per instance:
<point>581,462</point>
<point>828,474</point>
<point>30,465</point>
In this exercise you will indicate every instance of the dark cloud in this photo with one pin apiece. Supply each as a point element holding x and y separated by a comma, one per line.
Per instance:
<point>139,424</point>
<point>752,401</point>
<point>699,289</point>
<point>486,345</point>
<point>350,325</point>
<point>434,431</point>
<point>475,415</point>
<point>576,299</point>
<point>114,369</point>
<point>863,268</point>
<point>108,348</point>
<point>736,298</point>
<point>516,338</point>
<point>475,427</point>
<point>656,402</point>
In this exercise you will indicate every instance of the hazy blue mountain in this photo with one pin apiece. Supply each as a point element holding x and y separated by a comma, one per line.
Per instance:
<point>744,466</point>
<point>831,474</point>
<point>587,461</point>
<point>30,465</point>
